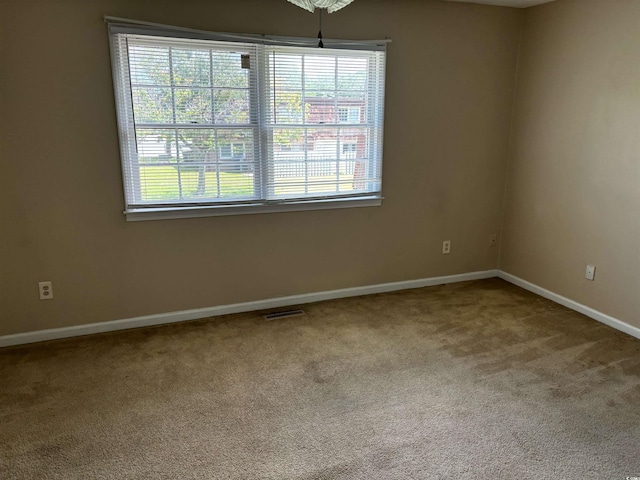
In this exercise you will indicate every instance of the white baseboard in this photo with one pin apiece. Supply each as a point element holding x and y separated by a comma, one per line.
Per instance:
<point>185,315</point>
<point>573,305</point>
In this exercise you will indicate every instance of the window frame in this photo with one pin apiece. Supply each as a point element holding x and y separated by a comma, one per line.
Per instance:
<point>158,210</point>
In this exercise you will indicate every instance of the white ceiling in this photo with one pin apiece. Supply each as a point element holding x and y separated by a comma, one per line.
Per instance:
<point>506,3</point>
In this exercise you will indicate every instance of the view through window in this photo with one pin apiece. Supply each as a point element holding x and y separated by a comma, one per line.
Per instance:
<point>207,123</point>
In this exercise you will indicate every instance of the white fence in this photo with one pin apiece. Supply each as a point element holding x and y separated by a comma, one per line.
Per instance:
<point>301,168</point>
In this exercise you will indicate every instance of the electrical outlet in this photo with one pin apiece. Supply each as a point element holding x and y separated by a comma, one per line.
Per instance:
<point>493,240</point>
<point>446,246</point>
<point>590,273</point>
<point>46,290</point>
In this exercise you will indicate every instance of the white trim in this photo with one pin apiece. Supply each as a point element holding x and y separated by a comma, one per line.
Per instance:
<point>186,315</point>
<point>572,304</point>
<point>142,214</point>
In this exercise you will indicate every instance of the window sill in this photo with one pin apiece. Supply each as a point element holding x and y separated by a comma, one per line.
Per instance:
<point>143,214</point>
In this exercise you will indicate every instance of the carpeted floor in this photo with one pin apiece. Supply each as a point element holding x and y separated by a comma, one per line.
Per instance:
<point>476,380</point>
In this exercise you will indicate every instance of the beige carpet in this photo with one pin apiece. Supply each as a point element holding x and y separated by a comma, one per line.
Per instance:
<point>477,380</point>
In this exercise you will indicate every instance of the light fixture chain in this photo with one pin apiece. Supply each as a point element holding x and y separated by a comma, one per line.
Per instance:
<point>320,42</point>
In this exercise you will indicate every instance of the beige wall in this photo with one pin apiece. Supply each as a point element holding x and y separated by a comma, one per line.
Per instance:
<point>573,190</point>
<point>449,91</point>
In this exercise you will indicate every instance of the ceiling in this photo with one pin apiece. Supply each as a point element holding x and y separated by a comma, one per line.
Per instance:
<point>506,3</point>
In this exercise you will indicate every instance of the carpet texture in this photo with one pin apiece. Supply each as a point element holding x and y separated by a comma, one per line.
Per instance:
<point>476,380</point>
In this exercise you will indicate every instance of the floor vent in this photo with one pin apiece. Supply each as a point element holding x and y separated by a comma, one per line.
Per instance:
<point>283,314</point>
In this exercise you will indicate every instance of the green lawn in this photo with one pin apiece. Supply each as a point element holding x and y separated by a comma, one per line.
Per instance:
<point>163,183</point>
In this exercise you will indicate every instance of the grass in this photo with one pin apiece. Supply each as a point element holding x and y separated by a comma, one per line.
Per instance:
<point>163,183</point>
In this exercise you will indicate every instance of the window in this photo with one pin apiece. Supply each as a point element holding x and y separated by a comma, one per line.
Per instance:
<point>349,114</point>
<point>349,148</point>
<point>210,127</point>
<point>232,151</point>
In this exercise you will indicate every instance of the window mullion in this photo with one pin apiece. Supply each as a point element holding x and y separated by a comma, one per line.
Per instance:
<point>303,100</point>
<point>173,90</point>
<point>371,115</point>
<point>265,134</point>
<point>335,110</point>
<point>179,169</point>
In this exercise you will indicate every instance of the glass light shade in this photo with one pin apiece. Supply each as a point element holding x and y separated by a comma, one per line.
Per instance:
<point>330,5</point>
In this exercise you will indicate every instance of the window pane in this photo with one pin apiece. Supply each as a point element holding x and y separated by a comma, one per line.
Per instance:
<point>226,151</point>
<point>343,115</point>
<point>348,182</point>
<point>156,146</point>
<point>152,105</point>
<point>236,143</point>
<point>191,67</point>
<point>237,180</point>
<point>348,150</point>
<point>287,140</point>
<point>322,144</point>
<point>199,182</point>
<point>237,171</point>
<point>319,72</point>
<point>319,107</point>
<point>305,161</point>
<point>228,71</point>
<point>287,72</point>
<point>350,114</point>
<point>352,73</point>
<point>354,141</point>
<point>196,145</point>
<point>356,167</point>
<point>288,107</point>
<point>193,105</point>
<point>160,183</point>
<point>149,65</point>
<point>231,106</point>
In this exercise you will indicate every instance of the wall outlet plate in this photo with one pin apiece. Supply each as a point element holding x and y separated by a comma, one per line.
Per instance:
<point>590,272</point>
<point>46,290</point>
<point>446,246</point>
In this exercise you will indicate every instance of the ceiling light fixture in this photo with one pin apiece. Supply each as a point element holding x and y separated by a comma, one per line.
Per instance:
<point>330,5</point>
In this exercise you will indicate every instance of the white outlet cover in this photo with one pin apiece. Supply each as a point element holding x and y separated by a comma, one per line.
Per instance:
<point>590,272</point>
<point>46,290</point>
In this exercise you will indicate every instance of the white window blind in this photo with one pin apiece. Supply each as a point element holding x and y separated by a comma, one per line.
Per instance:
<point>222,127</point>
